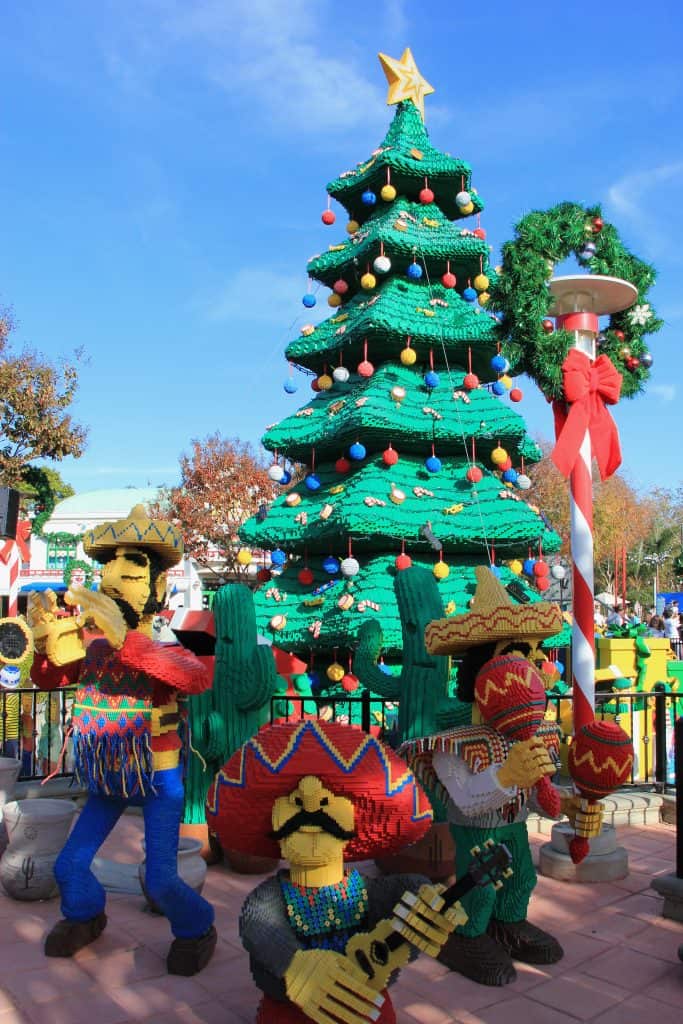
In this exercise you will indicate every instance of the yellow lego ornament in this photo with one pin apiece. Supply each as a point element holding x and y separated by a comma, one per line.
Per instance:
<point>405,80</point>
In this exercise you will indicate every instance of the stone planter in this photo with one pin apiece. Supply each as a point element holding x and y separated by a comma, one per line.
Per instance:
<point>9,773</point>
<point>37,830</point>
<point>211,850</point>
<point>191,868</point>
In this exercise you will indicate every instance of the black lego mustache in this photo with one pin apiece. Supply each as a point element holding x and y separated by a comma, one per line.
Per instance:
<point>131,617</point>
<point>317,818</point>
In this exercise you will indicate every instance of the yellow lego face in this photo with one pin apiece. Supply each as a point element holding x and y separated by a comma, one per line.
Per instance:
<point>127,577</point>
<point>532,650</point>
<point>312,824</point>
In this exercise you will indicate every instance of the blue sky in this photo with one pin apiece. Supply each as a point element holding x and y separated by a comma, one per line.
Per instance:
<point>162,173</point>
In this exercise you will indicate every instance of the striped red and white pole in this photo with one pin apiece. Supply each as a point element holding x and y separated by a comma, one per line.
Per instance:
<point>585,327</point>
<point>13,568</point>
<point>583,627</point>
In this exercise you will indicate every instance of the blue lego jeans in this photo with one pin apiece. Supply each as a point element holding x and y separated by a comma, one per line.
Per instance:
<point>83,897</point>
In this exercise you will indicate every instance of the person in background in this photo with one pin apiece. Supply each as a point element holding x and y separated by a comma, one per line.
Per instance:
<point>598,617</point>
<point>671,630</point>
<point>656,626</point>
<point>615,617</point>
<point>632,616</point>
<point>670,624</point>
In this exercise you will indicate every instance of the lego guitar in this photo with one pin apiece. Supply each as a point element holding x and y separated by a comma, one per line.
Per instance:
<point>383,950</point>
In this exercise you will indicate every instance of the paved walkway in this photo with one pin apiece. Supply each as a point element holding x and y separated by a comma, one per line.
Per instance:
<point>620,964</point>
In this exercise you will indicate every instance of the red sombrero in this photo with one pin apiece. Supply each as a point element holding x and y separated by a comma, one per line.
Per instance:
<point>391,808</point>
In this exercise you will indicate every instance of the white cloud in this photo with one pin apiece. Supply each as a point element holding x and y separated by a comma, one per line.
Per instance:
<point>641,199</point>
<point>627,194</point>
<point>395,26</point>
<point>265,296</point>
<point>273,52</point>
<point>667,392</point>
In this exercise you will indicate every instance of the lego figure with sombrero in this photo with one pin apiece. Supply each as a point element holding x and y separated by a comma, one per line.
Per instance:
<point>317,794</point>
<point>487,775</point>
<point>126,722</point>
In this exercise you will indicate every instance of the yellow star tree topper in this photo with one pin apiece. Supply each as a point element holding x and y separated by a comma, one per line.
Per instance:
<point>405,81</point>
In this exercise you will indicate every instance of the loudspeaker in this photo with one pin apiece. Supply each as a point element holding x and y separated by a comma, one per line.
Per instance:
<point>9,512</point>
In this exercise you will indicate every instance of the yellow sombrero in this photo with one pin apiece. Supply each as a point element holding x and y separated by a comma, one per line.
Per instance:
<point>492,617</point>
<point>138,529</point>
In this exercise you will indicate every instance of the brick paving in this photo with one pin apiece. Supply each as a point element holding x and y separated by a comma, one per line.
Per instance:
<point>620,965</point>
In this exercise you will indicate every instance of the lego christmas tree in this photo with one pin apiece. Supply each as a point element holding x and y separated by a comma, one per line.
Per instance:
<point>413,450</point>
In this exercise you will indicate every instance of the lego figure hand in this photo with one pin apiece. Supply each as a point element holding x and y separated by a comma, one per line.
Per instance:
<point>102,610</point>
<point>41,614</point>
<point>527,762</point>
<point>584,815</point>
<point>59,639</point>
<point>329,988</point>
<point>422,920</point>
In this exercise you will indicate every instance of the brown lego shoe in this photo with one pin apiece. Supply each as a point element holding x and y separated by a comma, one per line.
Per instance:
<point>189,956</point>
<point>526,942</point>
<point>479,958</point>
<point>67,937</point>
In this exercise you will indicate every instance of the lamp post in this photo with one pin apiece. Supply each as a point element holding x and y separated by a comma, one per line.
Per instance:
<point>579,300</point>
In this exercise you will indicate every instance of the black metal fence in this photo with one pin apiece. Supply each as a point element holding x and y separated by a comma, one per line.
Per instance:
<point>33,727</point>
<point>372,714</point>
<point>649,719</point>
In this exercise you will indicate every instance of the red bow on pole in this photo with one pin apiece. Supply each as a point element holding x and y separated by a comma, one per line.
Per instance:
<point>23,534</point>
<point>588,389</point>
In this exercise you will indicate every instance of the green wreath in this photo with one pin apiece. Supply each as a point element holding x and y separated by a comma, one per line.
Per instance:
<point>521,296</point>
<point>72,564</point>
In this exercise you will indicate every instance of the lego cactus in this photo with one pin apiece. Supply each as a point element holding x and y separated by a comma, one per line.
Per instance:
<point>229,714</point>
<point>421,688</point>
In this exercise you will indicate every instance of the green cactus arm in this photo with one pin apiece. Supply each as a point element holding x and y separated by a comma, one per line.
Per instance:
<point>245,670</point>
<point>365,663</point>
<point>424,679</point>
<point>259,683</point>
<point>214,747</point>
<point>208,743</point>
<point>451,713</point>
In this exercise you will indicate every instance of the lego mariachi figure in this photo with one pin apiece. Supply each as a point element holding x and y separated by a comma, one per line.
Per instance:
<point>126,720</point>
<point>486,774</point>
<point>321,793</point>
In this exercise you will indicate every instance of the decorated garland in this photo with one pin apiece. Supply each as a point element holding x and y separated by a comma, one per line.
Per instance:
<point>45,499</point>
<point>521,295</point>
<point>45,505</point>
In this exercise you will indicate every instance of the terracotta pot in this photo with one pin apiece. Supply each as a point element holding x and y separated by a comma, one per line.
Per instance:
<point>247,864</point>
<point>191,868</point>
<point>37,830</point>
<point>433,856</point>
